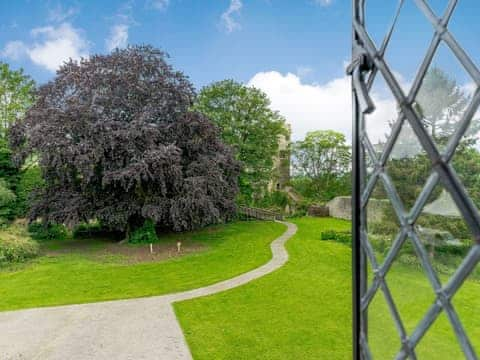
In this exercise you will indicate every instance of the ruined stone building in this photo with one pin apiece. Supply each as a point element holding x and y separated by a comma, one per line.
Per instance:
<point>281,163</point>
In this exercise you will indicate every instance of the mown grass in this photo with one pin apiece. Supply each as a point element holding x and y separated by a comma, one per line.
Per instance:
<point>231,249</point>
<point>303,310</point>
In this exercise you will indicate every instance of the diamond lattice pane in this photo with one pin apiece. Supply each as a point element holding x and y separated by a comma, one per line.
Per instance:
<point>412,31</point>
<point>383,337</point>
<point>439,343</point>
<point>378,125</point>
<point>438,6</point>
<point>408,166</point>
<point>443,233</point>
<point>465,302</point>
<point>426,268</point>
<point>409,286</point>
<point>443,97</point>
<point>465,27</point>
<point>379,16</point>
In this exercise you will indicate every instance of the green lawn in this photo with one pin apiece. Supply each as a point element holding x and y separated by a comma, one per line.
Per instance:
<point>74,278</point>
<point>303,310</point>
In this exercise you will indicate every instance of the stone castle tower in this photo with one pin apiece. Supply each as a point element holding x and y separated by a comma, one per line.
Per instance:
<point>281,162</point>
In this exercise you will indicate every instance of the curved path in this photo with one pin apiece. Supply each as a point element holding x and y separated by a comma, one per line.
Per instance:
<point>142,328</point>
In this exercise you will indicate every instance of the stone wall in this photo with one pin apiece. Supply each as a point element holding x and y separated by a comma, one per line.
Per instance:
<point>318,211</point>
<point>341,208</point>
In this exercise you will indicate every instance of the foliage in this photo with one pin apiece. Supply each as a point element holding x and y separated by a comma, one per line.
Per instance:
<point>440,103</point>
<point>409,187</point>
<point>321,153</point>
<point>117,144</point>
<point>344,237</point>
<point>47,231</point>
<point>455,226</point>
<point>8,179</point>
<point>275,199</point>
<point>86,230</point>
<point>8,170</point>
<point>466,163</point>
<point>321,164</point>
<point>145,234</point>
<point>7,201</point>
<point>73,277</point>
<point>16,96</point>
<point>320,189</point>
<point>16,246</point>
<point>386,226</point>
<point>249,125</point>
<point>30,182</point>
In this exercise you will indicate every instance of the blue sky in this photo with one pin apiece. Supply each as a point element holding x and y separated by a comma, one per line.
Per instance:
<point>295,50</point>
<point>261,35</point>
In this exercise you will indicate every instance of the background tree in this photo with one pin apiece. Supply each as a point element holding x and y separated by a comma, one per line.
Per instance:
<point>440,104</point>
<point>321,163</point>
<point>248,125</point>
<point>117,144</point>
<point>16,96</point>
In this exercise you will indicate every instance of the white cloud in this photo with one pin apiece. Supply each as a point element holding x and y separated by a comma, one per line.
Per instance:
<point>14,50</point>
<point>60,14</point>
<point>158,4</point>
<point>119,31</point>
<point>52,46</point>
<point>227,18</point>
<point>57,45</point>
<point>324,2</point>
<point>309,107</point>
<point>118,37</point>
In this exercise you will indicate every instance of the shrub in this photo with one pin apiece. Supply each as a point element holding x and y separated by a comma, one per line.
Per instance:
<point>16,246</point>
<point>50,231</point>
<point>455,226</point>
<point>145,234</point>
<point>344,237</point>
<point>383,227</point>
<point>30,180</point>
<point>7,201</point>
<point>277,200</point>
<point>456,250</point>
<point>88,230</point>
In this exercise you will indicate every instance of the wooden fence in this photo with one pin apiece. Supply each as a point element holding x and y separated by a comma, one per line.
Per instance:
<point>261,214</point>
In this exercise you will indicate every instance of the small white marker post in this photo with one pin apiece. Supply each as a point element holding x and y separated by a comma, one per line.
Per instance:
<point>151,248</point>
<point>179,246</point>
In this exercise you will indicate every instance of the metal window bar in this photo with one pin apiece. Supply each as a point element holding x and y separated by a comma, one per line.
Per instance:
<point>367,60</point>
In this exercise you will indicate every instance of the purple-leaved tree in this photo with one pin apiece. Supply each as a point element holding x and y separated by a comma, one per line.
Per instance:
<point>117,143</point>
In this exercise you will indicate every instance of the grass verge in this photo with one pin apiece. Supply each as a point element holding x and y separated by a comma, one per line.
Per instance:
<point>73,278</point>
<point>303,310</point>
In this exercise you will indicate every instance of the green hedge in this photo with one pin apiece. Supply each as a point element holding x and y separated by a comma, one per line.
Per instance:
<point>44,232</point>
<point>344,237</point>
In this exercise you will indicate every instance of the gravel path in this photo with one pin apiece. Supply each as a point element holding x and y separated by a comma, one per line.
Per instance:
<point>133,329</point>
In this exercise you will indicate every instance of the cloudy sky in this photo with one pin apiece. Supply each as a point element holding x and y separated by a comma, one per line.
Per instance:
<point>296,51</point>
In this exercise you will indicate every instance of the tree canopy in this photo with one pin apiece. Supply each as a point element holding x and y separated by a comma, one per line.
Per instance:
<point>247,124</point>
<point>321,164</point>
<point>117,143</point>
<point>440,103</point>
<point>16,96</point>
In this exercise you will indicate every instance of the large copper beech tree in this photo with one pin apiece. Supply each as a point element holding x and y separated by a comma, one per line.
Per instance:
<point>117,143</point>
